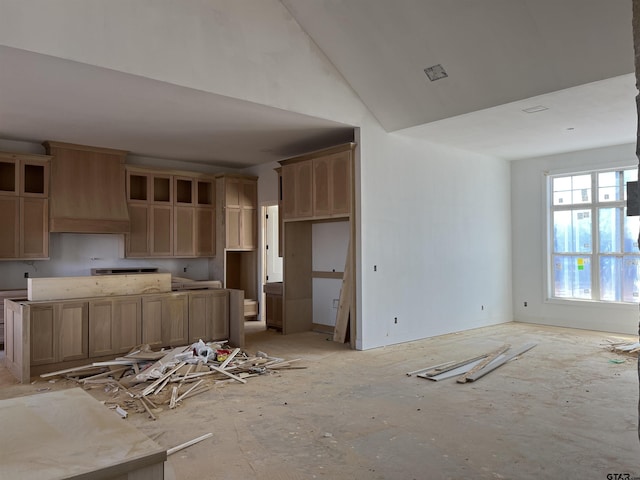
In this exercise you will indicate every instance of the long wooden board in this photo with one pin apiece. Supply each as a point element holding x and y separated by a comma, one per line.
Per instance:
<point>63,288</point>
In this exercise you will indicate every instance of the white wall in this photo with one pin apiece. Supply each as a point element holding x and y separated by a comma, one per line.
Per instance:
<point>436,226</point>
<point>529,205</point>
<point>434,220</point>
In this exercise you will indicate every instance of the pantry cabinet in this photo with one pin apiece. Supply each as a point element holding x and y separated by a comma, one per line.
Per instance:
<point>239,211</point>
<point>318,185</point>
<point>24,206</point>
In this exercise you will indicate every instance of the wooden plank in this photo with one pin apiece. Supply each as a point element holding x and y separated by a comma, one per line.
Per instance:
<point>230,375</point>
<point>426,369</point>
<point>501,361</point>
<point>177,448</point>
<point>344,305</point>
<point>318,274</point>
<point>229,358</point>
<point>459,370</point>
<point>62,288</point>
<point>490,358</point>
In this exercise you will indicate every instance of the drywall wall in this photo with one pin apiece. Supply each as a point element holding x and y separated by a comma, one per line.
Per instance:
<point>435,221</point>
<point>436,251</point>
<point>529,204</point>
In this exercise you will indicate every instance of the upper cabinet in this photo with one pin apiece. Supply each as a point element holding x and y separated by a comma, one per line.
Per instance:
<point>24,206</point>
<point>318,185</point>
<point>172,214</point>
<point>239,195</point>
<point>87,189</point>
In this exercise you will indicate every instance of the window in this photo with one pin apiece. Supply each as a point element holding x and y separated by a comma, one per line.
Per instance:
<point>594,246</point>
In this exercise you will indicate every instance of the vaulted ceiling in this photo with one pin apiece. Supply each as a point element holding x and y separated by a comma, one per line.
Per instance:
<point>571,59</point>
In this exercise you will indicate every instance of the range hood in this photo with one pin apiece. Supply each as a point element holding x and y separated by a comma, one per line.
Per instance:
<point>87,191</point>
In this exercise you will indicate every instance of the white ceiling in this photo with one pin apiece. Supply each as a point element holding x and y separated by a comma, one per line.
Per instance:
<point>575,57</point>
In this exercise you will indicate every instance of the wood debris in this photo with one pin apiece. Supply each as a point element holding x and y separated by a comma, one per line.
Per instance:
<point>472,369</point>
<point>171,376</point>
<point>619,346</point>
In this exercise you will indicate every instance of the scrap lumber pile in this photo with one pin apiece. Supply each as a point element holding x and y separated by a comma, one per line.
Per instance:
<point>620,346</point>
<point>472,369</point>
<point>144,380</point>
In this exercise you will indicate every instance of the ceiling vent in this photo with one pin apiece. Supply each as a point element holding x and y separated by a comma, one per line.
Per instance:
<point>435,72</point>
<point>537,108</point>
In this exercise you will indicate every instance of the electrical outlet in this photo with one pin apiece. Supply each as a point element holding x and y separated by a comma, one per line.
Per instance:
<point>26,274</point>
<point>184,269</point>
<point>335,302</point>
<point>395,319</point>
<point>525,304</point>
<point>482,307</point>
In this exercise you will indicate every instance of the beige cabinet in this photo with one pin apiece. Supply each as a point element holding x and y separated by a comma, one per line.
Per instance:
<point>273,313</point>
<point>318,185</point>
<point>208,313</point>
<point>115,325</point>
<point>59,332</point>
<point>24,206</point>
<point>172,215</point>
<point>239,211</point>
<point>297,189</point>
<point>165,320</point>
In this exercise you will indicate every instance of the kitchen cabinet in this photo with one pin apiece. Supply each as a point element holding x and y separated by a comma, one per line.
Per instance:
<point>208,311</point>
<point>297,187</point>
<point>52,335</point>
<point>115,325</point>
<point>273,294</point>
<point>24,206</point>
<point>165,320</point>
<point>239,211</point>
<point>172,214</point>
<point>59,332</point>
<point>318,185</point>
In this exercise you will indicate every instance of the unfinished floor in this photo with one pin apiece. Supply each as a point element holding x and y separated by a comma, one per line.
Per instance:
<point>563,410</point>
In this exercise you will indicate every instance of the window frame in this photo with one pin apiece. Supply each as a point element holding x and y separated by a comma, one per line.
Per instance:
<point>594,207</point>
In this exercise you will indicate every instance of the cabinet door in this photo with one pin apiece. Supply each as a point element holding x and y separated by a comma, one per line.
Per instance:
<point>248,227</point>
<point>175,320</point>
<point>232,192</point>
<point>340,182</point>
<point>127,324</point>
<point>10,231</point>
<point>219,315</point>
<point>72,323</point>
<point>199,311</point>
<point>233,220</point>
<point>183,191</point>
<point>9,181</point>
<point>101,328</point>
<point>321,194</point>
<point>184,238</point>
<point>288,192</point>
<point>137,240</point>
<point>161,236</point>
<point>152,321</point>
<point>249,193</point>
<point>43,338</point>
<point>205,232</point>
<point>304,189</point>
<point>34,227</point>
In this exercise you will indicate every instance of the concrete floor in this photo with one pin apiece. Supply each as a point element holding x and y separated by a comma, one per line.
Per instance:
<point>562,411</point>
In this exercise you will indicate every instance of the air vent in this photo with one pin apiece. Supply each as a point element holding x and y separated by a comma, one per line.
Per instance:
<point>435,72</point>
<point>537,108</point>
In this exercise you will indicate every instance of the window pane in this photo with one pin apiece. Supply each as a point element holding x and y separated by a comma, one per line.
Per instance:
<point>630,283</point>
<point>608,186</point>
<point>572,277</point>
<point>571,190</point>
<point>610,284</point>
<point>609,229</point>
<point>631,226</point>
<point>572,231</point>
<point>562,190</point>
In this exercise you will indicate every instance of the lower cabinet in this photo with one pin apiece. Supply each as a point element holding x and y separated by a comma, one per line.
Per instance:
<point>59,332</point>
<point>165,320</point>
<point>52,335</point>
<point>208,313</point>
<point>115,325</point>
